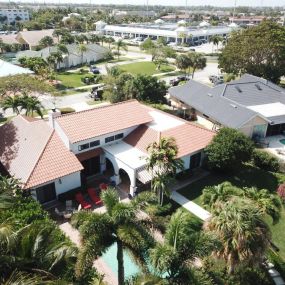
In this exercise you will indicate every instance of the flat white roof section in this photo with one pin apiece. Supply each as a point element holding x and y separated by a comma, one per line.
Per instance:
<point>127,154</point>
<point>162,122</point>
<point>8,69</point>
<point>269,110</point>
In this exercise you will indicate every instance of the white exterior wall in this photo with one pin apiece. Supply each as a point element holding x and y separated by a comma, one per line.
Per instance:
<point>74,147</point>
<point>67,183</point>
<point>247,128</point>
<point>62,135</point>
<point>63,184</point>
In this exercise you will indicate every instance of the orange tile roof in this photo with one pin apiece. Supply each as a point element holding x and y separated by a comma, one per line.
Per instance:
<point>32,152</point>
<point>189,137</point>
<point>55,162</point>
<point>103,120</point>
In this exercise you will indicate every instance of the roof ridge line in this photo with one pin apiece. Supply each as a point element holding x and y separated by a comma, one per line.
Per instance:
<point>96,108</point>
<point>40,156</point>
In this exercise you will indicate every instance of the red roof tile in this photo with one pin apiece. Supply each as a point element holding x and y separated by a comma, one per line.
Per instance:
<point>189,138</point>
<point>55,162</point>
<point>103,120</point>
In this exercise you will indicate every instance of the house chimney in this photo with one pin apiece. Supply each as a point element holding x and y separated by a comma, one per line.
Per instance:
<point>52,115</point>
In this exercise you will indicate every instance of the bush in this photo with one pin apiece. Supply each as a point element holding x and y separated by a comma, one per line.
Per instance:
<point>228,150</point>
<point>66,110</point>
<point>265,160</point>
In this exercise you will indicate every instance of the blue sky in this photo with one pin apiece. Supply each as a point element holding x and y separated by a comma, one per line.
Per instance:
<point>171,2</point>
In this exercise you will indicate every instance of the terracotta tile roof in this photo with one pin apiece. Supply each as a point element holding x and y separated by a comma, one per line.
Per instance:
<point>55,162</point>
<point>89,154</point>
<point>21,144</point>
<point>33,153</point>
<point>103,120</point>
<point>189,137</point>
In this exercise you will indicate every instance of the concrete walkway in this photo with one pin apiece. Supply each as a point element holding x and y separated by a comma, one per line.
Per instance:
<point>190,206</point>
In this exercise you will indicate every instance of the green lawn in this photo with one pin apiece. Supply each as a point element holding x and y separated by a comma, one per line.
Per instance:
<point>246,177</point>
<point>70,79</point>
<point>146,67</point>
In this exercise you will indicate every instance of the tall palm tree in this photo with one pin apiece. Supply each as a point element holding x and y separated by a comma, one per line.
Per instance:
<point>120,45</point>
<point>119,225</point>
<point>163,162</point>
<point>11,102</point>
<point>183,62</point>
<point>62,48</point>
<point>109,41</point>
<point>216,39</point>
<point>94,38</point>
<point>198,61</point>
<point>184,241</point>
<point>46,41</point>
<point>82,49</point>
<point>243,234</point>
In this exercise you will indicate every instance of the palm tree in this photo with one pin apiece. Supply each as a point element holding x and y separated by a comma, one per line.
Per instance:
<point>51,60</point>
<point>197,60</point>
<point>219,193</point>
<point>216,39</point>
<point>34,250</point>
<point>46,41</point>
<point>9,187</point>
<point>31,104</point>
<point>94,38</point>
<point>243,234</point>
<point>119,225</point>
<point>62,48</point>
<point>183,62</point>
<point>266,202</point>
<point>58,58</point>
<point>11,102</point>
<point>81,48</point>
<point>160,186</point>
<point>184,241</point>
<point>120,45</point>
<point>109,41</point>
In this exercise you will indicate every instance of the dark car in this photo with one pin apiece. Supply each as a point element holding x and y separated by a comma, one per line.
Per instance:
<point>176,81</point>
<point>94,69</point>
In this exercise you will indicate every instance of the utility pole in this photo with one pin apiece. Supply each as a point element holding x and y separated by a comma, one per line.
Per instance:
<point>147,9</point>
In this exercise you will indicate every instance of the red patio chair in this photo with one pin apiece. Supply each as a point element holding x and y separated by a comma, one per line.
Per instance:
<point>93,196</point>
<point>103,186</point>
<point>80,199</point>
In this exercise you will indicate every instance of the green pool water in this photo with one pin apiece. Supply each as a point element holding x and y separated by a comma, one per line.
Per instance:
<point>282,141</point>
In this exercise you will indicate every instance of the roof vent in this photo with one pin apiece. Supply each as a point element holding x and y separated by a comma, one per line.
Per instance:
<point>258,86</point>
<point>238,89</point>
<point>234,106</point>
<point>210,95</point>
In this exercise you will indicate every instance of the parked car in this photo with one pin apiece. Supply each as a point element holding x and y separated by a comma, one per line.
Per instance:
<point>176,81</point>
<point>94,69</point>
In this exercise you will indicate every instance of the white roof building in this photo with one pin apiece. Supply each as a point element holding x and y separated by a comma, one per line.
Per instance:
<point>8,69</point>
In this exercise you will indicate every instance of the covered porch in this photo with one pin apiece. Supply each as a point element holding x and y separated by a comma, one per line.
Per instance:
<point>128,165</point>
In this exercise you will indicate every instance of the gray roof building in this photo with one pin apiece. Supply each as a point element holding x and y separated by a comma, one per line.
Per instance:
<point>235,103</point>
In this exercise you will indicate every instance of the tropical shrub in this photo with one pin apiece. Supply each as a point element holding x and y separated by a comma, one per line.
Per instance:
<point>228,150</point>
<point>66,110</point>
<point>265,160</point>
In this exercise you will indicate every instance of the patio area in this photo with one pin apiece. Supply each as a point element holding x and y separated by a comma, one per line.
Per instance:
<point>276,146</point>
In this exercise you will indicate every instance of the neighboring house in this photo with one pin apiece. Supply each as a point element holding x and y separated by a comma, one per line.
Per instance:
<point>251,104</point>
<point>73,58</point>
<point>9,39</point>
<point>8,69</point>
<point>31,39</point>
<point>13,15</point>
<point>54,157</point>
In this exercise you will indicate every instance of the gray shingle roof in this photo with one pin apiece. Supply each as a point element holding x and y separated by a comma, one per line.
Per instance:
<point>209,101</point>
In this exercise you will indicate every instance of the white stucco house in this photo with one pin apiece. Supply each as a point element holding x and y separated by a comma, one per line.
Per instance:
<point>74,57</point>
<point>55,156</point>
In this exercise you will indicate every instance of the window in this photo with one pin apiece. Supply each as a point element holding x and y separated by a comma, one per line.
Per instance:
<point>109,139</point>
<point>195,160</point>
<point>95,143</point>
<point>83,146</point>
<point>119,136</point>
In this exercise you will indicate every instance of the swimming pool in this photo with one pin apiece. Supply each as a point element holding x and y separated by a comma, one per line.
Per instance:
<point>130,267</point>
<point>282,141</point>
<point>110,258</point>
